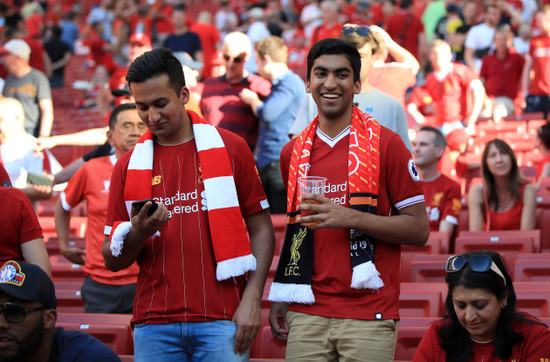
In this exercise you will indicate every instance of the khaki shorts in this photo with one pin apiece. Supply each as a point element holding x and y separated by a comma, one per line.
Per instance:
<point>315,338</point>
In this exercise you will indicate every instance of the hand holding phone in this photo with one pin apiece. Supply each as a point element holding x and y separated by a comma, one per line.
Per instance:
<point>137,205</point>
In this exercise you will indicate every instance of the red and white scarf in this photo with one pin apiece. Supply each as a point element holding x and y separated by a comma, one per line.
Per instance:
<point>227,228</point>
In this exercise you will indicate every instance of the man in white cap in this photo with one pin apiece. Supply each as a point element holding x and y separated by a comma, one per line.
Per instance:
<point>28,85</point>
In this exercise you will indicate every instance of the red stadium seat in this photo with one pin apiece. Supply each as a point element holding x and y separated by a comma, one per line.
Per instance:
<point>279,225</point>
<point>52,244</point>
<point>438,242</point>
<point>532,270</point>
<point>496,237</point>
<point>427,271</point>
<point>420,303</point>
<point>270,346</point>
<point>534,302</point>
<point>69,301</point>
<point>117,337</point>
<point>408,339</point>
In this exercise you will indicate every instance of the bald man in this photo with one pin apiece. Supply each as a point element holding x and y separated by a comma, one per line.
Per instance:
<point>221,104</point>
<point>17,149</point>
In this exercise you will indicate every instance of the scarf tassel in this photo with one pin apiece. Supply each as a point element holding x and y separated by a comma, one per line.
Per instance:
<point>235,266</point>
<point>291,293</point>
<point>117,238</point>
<point>365,276</point>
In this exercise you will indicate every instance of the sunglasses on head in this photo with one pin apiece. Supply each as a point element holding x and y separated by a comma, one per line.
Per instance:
<point>478,263</point>
<point>238,59</point>
<point>361,30</point>
<point>16,313</point>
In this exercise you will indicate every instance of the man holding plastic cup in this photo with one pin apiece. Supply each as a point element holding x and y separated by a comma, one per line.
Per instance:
<point>339,279</point>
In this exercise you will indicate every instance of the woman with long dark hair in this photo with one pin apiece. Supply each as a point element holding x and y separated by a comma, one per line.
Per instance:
<point>482,323</point>
<point>505,200</point>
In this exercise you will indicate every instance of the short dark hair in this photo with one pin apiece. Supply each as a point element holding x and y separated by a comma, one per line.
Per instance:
<point>117,110</point>
<point>56,31</point>
<point>179,7</point>
<point>333,46</point>
<point>154,63</point>
<point>440,140</point>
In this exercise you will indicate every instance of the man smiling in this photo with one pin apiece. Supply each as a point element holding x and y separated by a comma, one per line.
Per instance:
<point>344,289</point>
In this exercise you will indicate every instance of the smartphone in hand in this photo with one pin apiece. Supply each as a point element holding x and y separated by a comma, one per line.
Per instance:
<point>38,180</point>
<point>137,205</point>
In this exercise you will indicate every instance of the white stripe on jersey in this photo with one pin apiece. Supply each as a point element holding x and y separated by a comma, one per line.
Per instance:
<point>410,201</point>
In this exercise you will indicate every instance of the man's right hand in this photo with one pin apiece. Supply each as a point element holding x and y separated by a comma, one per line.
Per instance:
<point>277,319</point>
<point>145,225</point>
<point>74,254</point>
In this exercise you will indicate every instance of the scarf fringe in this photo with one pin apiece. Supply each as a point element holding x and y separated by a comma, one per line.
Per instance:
<point>365,276</point>
<point>117,240</point>
<point>234,267</point>
<point>291,293</point>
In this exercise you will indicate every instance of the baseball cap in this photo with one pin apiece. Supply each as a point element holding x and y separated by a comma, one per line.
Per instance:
<point>27,282</point>
<point>119,92</point>
<point>140,38</point>
<point>16,47</point>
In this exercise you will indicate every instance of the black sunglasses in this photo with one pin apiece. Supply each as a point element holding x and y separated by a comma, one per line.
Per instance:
<point>361,30</point>
<point>478,263</point>
<point>16,313</point>
<point>238,59</point>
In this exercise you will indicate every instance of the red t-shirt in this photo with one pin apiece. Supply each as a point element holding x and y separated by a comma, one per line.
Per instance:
<point>118,78</point>
<point>493,69</point>
<point>405,28</point>
<point>540,165</point>
<point>36,59</point>
<point>4,177</point>
<point>18,222</point>
<point>91,183</point>
<point>332,265</point>
<point>221,105</point>
<point>451,94</point>
<point>507,220</point>
<point>209,36</point>
<point>323,32</point>
<point>393,79</point>
<point>443,200</point>
<point>534,347</point>
<point>163,23</point>
<point>177,277</point>
<point>539,50</point>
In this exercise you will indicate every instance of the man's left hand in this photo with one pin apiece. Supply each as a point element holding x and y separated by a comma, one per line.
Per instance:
<point>248,320</point>
<point>248,96</point>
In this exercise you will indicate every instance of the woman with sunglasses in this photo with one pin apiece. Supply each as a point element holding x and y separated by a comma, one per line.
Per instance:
<point>504,200</point>
<point>482,323</point>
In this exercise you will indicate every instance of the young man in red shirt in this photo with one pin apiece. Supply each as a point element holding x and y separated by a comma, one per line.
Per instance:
<point>103,291</point>
<point>502,90</point>
<point>538,61</point>
<point>442,195</point>
<point>341,305</point>
<point>210,227</point>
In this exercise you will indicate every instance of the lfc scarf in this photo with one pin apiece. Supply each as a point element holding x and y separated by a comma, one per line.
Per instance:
<point>292,282</point>
<point>227,228</point>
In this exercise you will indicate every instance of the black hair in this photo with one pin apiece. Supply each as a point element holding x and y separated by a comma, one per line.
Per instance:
<point>154,63</point>
<point>455,340</point>
<point>543,133</point>
<point>56,31</point>
<point>333,46</point>
<point>179,7</point>
<point>440,140</point>
<point>117,110</point>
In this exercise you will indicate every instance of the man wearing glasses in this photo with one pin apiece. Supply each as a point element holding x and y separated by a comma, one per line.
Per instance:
<point>27,325</point>
<point>220,103</point>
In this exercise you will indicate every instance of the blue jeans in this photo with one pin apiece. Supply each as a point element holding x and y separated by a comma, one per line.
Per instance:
<point>206,341</point>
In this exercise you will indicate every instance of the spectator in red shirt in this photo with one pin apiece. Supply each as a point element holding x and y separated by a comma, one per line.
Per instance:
<point>538,61</point>
<point>209,36</point>
<point>502,90</point>
<point>331,26</point>
<point>442,194</point>
<point>451,85</point>
<point>406,29</point>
